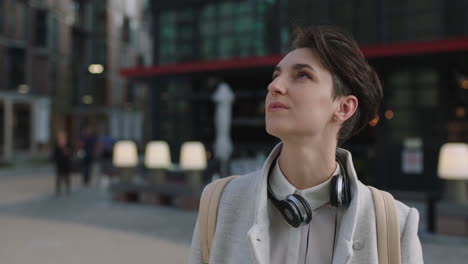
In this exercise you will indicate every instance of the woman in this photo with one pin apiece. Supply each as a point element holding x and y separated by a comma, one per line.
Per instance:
<point>321,93</point>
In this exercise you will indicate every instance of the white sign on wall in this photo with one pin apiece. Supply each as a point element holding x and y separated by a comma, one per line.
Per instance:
<point>42,120</point>
<point>412,158</point>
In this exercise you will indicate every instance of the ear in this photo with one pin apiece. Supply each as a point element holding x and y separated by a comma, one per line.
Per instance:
<point>346,108</point>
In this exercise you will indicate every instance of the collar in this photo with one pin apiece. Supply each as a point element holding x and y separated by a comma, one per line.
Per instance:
<point>317,196</point>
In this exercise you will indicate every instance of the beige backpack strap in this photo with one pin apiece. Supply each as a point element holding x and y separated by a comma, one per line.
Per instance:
<point>208,213</point>
<point>388,227</point>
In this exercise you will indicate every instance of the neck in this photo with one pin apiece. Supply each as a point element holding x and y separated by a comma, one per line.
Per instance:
<point>307,165</point>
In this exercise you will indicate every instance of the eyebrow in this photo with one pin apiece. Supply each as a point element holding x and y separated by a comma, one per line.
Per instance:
<point>297,67</point>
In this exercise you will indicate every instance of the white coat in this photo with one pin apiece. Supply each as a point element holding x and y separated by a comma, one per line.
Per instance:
<point>242,229</point>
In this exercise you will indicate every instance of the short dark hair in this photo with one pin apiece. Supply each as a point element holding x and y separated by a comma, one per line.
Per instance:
<point>352,75</point>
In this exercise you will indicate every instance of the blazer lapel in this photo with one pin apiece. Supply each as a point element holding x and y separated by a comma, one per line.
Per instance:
<point>259,234</point>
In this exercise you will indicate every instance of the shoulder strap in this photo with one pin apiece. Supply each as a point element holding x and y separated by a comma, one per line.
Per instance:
<point>388,227</point>
<point>208,213</point>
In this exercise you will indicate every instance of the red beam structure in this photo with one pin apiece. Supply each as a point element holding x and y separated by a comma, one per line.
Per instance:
<point>376,51</point>
<point>416,48</point>
<point>202,66</point>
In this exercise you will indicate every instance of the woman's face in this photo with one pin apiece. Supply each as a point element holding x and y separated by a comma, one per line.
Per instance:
<point>299,101</point>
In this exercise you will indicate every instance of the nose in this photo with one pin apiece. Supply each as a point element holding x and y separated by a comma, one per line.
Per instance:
<point>277,87</point>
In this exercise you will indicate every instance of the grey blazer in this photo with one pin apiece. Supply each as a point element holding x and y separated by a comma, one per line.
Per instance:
<point>242,231</point>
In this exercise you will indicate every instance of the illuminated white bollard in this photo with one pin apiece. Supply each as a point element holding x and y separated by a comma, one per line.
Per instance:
<point>453,167</point>
<point>193,160</point>
<point>125,157</point>
<point>158,159</point>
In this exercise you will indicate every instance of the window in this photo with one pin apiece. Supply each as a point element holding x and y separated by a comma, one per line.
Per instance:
<point>26,19</point>
<point>426,87</point>
<point>125,35</point>
<point>208,30</point>
<point>367,23</point>
<point>400,85</point>
<point>226,46</point>
<point>15,68</point>
<point>1,15</point>
<point>167,36</point>
<point>99,53</point>
<point>177,36</point>
<point>226,29</point>
<point>40,29</point>
<point>52,38</point>
<point>343,14</point>
<point>2,67</point>
<point>412,93</point>
<point>40,74</point>
<point>22,126</point>
<point>174,105</point>
<point>456,18</point>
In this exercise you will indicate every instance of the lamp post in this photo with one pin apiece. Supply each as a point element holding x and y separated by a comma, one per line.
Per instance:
<point>193,160</point>
<point>453,167</point>
<point>158,159</point>
<point>125,157</point>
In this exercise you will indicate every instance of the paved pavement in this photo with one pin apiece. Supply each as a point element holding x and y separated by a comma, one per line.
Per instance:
<point>85,227</point>
<point>88,227</point>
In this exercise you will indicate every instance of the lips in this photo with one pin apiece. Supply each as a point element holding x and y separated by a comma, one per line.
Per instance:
<point>277,106</point>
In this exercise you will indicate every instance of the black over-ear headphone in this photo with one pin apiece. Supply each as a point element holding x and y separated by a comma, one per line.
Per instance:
<point>296,210</point>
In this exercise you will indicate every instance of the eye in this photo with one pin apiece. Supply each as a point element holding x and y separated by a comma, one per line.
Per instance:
<point>302,75</point>
<point>275,74</point>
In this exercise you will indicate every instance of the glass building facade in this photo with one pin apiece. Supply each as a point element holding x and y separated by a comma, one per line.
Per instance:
<point>229,29</point>
<point>214,30</point>
<point>423,94</point>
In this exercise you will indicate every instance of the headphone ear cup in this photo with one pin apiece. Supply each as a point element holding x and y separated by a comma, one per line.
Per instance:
<point>333,191</point>
<point>307,216</point>
<point>290,214</point>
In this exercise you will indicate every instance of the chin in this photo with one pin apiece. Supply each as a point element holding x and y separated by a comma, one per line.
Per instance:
<point>275,129</point>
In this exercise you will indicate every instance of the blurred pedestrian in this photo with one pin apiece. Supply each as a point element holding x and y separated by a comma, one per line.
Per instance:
<point>62,155</point>
<point>87,151</point>
<point>306,204</point>
<point>106,146</point>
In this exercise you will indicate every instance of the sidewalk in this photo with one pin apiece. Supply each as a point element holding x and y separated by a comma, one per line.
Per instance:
<point>25,171</point>
<point>24,187</point>
<point>86,227</point>
<point>51,242</point>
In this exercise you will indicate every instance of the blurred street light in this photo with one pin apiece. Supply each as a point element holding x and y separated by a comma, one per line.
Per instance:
<point>465,84</point>
<point>96,68</point>
<point>389,114</point>
<point>23,89</point>
<point>88,99</point>
<point>460,112</point>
